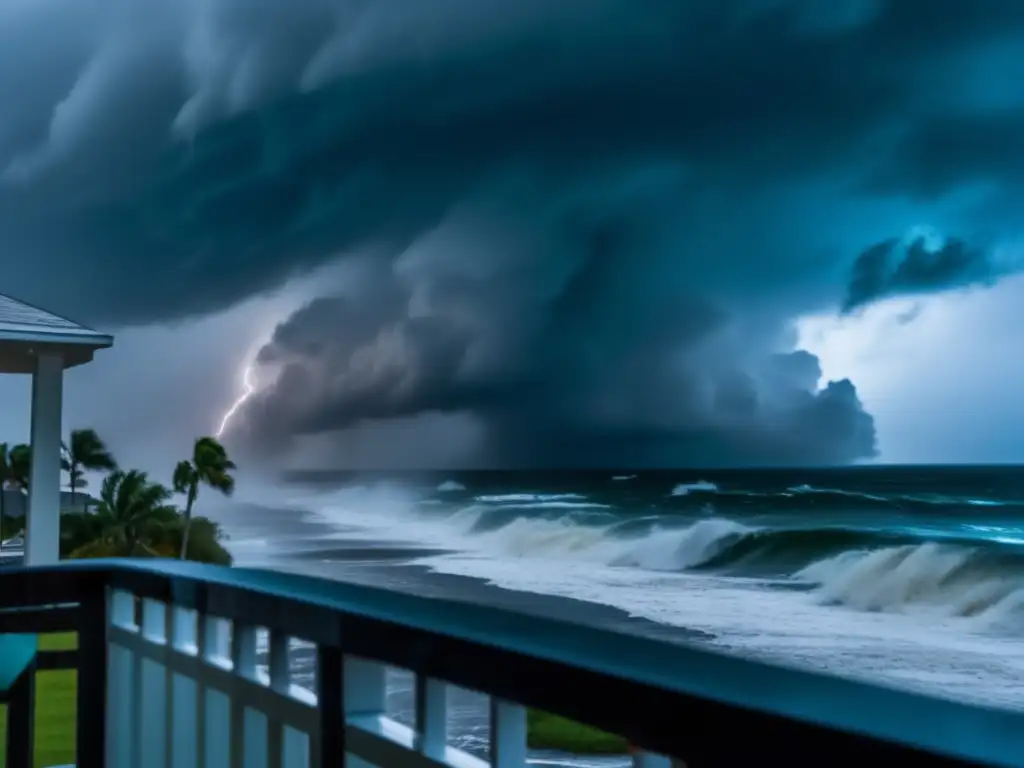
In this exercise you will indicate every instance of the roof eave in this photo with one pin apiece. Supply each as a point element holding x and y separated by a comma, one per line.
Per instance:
<point>87,339</point>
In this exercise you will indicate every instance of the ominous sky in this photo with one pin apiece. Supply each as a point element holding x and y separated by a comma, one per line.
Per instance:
<point>542,233</point>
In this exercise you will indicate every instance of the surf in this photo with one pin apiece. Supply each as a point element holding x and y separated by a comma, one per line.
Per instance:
<point>972,571</point>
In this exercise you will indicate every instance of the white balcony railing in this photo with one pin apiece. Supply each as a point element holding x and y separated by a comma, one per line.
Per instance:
<point>173,674</point>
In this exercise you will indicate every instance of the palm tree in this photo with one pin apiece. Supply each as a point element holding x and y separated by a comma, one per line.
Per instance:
<point>210,466</point>
<point>131,512</point>
<point>19,464</point>
<point>85,451</point>
<point>15,467</point>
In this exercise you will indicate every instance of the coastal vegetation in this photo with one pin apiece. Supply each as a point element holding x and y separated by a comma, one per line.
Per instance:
<point>132,515</point>
<point>547,731</point>
<point>85,451</point>
<point>208,466</point>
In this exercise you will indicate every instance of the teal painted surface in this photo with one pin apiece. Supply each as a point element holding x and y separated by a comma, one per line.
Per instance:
<point>978,734</point>
<point>16,653</point>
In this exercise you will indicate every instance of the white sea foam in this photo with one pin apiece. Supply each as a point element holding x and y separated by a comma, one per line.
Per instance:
<point>685,489</point>
<point>518,498</point>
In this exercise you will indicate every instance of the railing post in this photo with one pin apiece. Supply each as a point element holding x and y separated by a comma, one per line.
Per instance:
<point>91,718</point>
<point>21,710</point>
<point>328,744</point>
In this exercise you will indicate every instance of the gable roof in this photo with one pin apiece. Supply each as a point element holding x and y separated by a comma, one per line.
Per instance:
<point>23,322</point>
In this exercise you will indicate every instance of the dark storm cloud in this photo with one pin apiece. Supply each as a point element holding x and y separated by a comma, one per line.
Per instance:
<point>899,268</point>
<point>592,372</point>
<point>591,220</point>
<point>944,152</point>
<point>377,116</point>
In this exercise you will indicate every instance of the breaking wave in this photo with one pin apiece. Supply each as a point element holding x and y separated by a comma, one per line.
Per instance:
<point>685,489</point>
<point>967,571</point>
<point>868,570</point>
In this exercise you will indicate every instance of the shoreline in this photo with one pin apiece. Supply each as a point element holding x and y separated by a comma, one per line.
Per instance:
<point>395,572</point>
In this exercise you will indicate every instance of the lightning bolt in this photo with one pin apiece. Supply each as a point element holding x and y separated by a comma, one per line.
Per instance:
<point>248,388</point>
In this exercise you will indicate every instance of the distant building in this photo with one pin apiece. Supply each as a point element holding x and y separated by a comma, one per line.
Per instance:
<point>16,502</point>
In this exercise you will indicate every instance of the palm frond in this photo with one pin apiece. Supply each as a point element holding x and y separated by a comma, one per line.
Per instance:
<point>184,476</point>
<point>88,450</point>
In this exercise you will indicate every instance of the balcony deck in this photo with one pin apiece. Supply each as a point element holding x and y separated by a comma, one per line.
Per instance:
<point>168,677</point>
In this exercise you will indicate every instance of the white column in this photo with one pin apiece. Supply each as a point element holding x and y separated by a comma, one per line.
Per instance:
<point>42,539</point>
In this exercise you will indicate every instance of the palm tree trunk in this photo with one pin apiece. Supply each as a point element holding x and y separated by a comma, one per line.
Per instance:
<point>188,519</point>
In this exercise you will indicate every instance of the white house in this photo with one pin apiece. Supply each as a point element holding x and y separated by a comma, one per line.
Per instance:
<point>41,344</point>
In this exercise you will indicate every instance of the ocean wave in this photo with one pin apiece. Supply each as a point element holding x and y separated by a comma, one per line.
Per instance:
<point>701,486</point>
<point>862,569</point>
<point>952,580</point>
<point>450,486</point>
<point>519,498</point>
<point>972,571</point>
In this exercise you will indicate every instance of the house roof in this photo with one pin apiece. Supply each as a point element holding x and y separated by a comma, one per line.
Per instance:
<point>25,328</point>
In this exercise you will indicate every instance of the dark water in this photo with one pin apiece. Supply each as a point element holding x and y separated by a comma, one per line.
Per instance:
<point>998,482</point>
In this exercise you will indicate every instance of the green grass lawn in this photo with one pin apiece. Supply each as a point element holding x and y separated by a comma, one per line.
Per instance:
<point>547,731</point>
<point>55,719</point>
<point>55,709</point>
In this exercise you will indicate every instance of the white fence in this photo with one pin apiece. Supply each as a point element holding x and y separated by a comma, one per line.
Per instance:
<point>186,691</point>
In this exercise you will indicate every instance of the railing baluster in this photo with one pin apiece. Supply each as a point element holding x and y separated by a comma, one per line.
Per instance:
<point>364,684</point>
<point>508,734</point>
<point>183,730</point>
<point>213,710</point>
<point>243,663</point>
<point>217,729</point>
<point>279,672</point>
<point>296,750</point>
<point>254,738</point>
<point>154,690</point>
<point>121,690</point>
<point>432,716</point>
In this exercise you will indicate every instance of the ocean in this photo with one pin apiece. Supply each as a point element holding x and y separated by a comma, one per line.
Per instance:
<point>904,576</point>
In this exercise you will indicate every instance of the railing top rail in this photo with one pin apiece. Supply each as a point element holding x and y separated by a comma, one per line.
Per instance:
<point>686,694</point>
